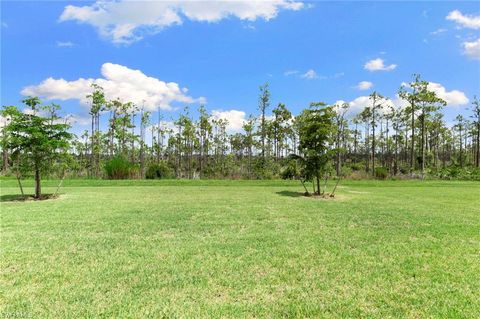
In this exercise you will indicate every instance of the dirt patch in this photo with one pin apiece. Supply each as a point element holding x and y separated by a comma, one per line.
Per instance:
<point>326,196</point>
<point>26,198</point>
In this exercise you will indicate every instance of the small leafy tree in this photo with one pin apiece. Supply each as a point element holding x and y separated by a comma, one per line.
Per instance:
<point>316,134</point>
<point>36,141</point>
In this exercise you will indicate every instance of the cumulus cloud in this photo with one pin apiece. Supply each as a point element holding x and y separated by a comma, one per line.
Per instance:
<point>453,98</point>
<point>464,20</point>
<point>472,49</point>
<point>358,104</point>
<point>127,21</point>
<point>77,119</point>
<point>310,75</point>
<point>235,118</point>
<point>378,65</point>
<point>118,81</point>
<point>364,85</point>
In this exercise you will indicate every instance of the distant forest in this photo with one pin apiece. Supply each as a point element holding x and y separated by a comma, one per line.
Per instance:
<point>382,141</point>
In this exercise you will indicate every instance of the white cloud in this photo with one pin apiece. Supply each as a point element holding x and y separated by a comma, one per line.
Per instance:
<point>472,49</point>
<point>453,98</point>
<point>364,85</point>
<point>358,104</point>
<point>65,44</point>
<point>378,65</point>
<point>164,125</point>
<point>438,31</point>
<point>290,72</point>
<point>118,82</point>
<point>310,75</point>
<point>466,21</point>
<point>235,118</point>
<point>338,75</point>
<point>3,121</point>
<point>127,21</point>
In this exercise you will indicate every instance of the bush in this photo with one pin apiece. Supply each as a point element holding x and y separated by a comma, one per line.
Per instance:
<point>381,173</point>
<point>454,172</point>
<point>290,170</point>
<point>346,171</point>
<point>159,171</point>
<point>357,166</point>
<point>359,175</point>
<point>118,168</point>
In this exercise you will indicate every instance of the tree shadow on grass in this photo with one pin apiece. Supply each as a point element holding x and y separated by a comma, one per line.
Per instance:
<point>291,194</point>
<point>25,198</point>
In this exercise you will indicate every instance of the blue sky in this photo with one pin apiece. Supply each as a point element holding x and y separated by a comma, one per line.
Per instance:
<point>222,52</point>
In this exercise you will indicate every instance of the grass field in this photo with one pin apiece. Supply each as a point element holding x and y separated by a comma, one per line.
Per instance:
<point>222,249</point>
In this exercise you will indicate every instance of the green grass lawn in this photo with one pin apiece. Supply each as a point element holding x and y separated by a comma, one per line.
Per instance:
<point>222,249</point>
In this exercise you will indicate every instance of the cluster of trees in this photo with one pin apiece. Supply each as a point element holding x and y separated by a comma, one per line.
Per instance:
<point>382,140</point>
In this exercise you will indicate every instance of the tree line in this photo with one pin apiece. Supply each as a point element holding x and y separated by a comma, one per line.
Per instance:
<point>381,140</point>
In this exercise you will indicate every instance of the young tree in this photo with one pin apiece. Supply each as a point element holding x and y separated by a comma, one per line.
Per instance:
<point>97,105</point>
<point>476,123</point>
<point>412,98</point>
<point>263,104</point>
<point>204,133</point>
<point>35,140</point>
<point>317,130</point>
<point>248,127</point>
<point>428,102</point>
<point>460,127</point>
<point>144,121</point>
<point>376,105</point>
<point>280,126</point>
<point>340,111</point>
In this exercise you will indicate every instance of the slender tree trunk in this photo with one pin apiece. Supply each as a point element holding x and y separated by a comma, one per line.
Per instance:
<point>38,189</point>
<point>395,165</point>
<point>478,145</point>
<point>92,151</point>
<point>373,142</point>
<point>20,184</point>
<point>461,149</point>
<point>423,144</point>
<point>412,151</point>
<point>5,159</point>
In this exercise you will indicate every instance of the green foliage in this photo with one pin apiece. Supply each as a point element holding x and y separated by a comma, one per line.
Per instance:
<point>316,133</point>
<point>36,143</point>
<point>118,168</point>
<point>290,170</point>
<point>357,166</point>
<point>381,173</point>
<point>159,171</point>
<point>455,172</point>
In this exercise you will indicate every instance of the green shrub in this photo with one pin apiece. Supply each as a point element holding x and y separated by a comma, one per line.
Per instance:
<point>359,175</point>
<point>159,171</point>
<point>381,173</point>
<point>454,172</point>
<point>290,170</point>
<point>346,171</point>
<point>118,168</point>
<point>357,166</point>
